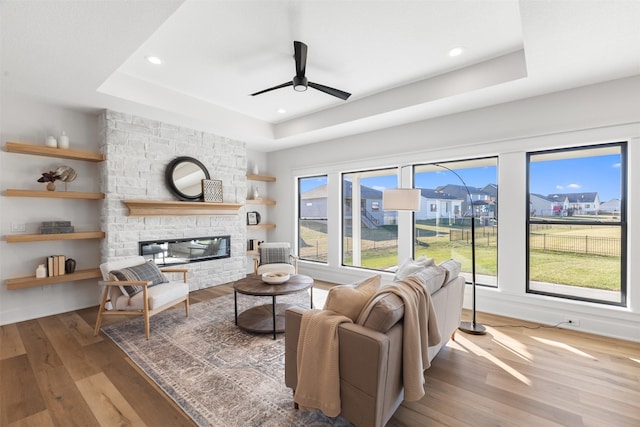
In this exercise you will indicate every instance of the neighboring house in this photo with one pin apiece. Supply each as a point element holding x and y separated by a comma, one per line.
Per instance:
<point>577,203</point>
<point>542,206</point>
<point>610,207</point>
<point>482,198</point>
<point>438,205</point>
<point>313,203</point>
<point>371,211</point>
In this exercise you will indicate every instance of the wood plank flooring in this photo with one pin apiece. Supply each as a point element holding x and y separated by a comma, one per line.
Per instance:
<point>53,372</point>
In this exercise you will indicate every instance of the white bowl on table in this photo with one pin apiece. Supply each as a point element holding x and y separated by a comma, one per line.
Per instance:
<point>274,278</point>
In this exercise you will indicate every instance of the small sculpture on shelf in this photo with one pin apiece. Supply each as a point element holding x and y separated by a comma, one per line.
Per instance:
<point>50,178</point>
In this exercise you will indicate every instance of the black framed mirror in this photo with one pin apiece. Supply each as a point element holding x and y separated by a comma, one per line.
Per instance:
<point>184,177</point>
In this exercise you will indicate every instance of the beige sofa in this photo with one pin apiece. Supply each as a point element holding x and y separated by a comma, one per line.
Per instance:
<point>370,360</point>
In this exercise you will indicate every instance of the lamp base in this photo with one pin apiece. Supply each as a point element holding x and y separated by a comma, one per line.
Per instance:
<point>472,328</point>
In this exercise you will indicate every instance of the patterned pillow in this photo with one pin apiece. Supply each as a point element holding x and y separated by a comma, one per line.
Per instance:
<point>143,272</point>
<point>274,255</point>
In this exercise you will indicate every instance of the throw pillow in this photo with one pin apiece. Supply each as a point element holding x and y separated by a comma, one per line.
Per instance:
<point>382,312</point>
<point>274,255</point>
<point>410,266</point>
<point>452,267</point>
<point>433,277</point>
<point>349,300</point>
<point>143,272</point>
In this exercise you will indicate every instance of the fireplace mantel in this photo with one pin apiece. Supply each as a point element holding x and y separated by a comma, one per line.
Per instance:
<point>177,208</point>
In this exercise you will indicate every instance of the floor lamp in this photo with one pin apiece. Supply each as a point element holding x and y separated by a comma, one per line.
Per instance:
<point>472,327</point>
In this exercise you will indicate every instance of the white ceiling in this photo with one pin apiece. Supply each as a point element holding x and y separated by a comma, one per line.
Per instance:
<point>391,55</point>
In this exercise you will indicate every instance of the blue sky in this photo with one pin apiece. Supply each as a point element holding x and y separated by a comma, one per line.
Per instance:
<point>599,174</point>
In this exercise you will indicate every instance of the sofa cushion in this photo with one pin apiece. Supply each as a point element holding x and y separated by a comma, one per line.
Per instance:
<point>433,277</point>
<point>145,272</point>
<point>410,266</point>
<point>382,312</point>
<point>452,268</point>
<point>349,300</point>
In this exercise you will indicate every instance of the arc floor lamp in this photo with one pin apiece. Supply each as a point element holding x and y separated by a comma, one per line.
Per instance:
<point>472,327</point>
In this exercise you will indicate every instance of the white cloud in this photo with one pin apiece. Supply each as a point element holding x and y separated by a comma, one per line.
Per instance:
<point>574,186</point>
<point>559,187</point>
<point>616,165</point>
<point>379,188</point>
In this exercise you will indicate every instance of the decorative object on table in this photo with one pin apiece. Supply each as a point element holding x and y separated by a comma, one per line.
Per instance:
<point>70,265</point>
<point>50,178</point>
<point>41,271</point>
<point>253,218</point>
<point>67,174</point>
<point>472,327</point>
<point>56,227</point>
<point>51,141</point>
<point>275,278</point>
<point>63,141</point>
<point>212,190</point>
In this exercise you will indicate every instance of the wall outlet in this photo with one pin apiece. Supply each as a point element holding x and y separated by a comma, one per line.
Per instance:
<point>572,321</point>
<point>17,228</point>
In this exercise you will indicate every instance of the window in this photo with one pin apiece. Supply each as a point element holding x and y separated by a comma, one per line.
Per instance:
<point>369,234</point>
<point>577,223</point>
<point>443,224</point>
<point>312,218</point>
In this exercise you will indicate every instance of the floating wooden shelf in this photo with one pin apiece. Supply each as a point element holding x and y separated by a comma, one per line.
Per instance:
<point>24,238</point>
<point>177,208</point>
<point>267,202</point>
<point>28,282</point>
<point>264,178</point>
<point>53,194</point>
<point>63,153</point>
<point>263,226</point>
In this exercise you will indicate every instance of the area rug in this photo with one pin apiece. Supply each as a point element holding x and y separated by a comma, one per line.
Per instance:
<point>217,373</point>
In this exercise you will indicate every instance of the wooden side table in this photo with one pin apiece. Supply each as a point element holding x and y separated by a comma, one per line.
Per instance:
<point>267,318</point>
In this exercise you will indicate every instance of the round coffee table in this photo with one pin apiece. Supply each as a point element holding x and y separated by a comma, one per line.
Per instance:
<point>268,318</point>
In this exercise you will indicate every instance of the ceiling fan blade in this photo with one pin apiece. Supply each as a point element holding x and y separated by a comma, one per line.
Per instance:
<point>331,91</point>
<point>273,88</point>
<point>300,55</point>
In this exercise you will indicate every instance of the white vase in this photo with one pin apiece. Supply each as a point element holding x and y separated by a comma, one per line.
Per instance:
<point>256,170</point>
<point>41,271</point>
<point>51,142</point>
<point>256,195</point>
<point>63,141</point>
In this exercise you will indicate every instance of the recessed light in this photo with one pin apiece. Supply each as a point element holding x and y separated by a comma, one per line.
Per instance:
<point>456,51</point>
<point>281,110</point>
<point>154,60</point>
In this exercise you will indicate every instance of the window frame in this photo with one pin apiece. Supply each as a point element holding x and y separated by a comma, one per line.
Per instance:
<point>301,218</point>
<point>622,223</point>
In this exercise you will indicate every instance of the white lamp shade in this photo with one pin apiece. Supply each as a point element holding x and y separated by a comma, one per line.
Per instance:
<point>401,199</point>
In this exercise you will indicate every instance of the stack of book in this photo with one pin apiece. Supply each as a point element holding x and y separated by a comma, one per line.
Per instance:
<point>55,227</point>
<point>55,265</point>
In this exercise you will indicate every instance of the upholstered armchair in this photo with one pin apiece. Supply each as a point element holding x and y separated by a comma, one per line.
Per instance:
<point>134,287</point>
<point>275,257</point>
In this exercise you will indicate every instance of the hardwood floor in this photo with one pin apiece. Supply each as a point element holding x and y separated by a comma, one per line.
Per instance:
<point>53,372</point>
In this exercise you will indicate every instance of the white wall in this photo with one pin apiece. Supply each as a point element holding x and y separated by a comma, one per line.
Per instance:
<point>595,114</point>
<point>30,121</point>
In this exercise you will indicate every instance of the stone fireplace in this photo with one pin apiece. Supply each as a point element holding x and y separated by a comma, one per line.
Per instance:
<point>137,152</point>
<point>184,251</point>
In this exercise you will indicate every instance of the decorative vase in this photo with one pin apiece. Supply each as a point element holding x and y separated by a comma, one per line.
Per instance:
<point>256,170</point>
<point>256,194</point>
<point>41,271</point>
<point>51,142</point>
<point>70,265</point>
<point>63,141</point>
<point>51,186</point>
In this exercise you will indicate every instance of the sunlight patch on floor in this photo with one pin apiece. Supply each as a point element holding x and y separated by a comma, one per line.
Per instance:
<point>564,346</point>
<point>499,363</point>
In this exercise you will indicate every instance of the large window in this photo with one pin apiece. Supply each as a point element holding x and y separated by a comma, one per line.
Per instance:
<point>312,218</point>
<point>369,234</point>
<point>577,223</point>
<point>443,224</point>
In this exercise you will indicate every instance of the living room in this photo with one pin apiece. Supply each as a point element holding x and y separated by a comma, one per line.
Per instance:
<point>139,141</point>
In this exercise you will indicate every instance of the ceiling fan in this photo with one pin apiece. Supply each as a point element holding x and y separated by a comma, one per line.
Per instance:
<point>300,82</point>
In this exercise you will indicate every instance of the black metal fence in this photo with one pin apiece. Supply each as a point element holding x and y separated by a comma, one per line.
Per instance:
<point>606,246</point>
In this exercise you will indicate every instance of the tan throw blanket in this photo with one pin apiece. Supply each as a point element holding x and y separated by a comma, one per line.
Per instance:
<point>318,362</point>
<point>420,330</point>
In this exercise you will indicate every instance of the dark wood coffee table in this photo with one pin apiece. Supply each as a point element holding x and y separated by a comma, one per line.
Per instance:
<point>268,318</point>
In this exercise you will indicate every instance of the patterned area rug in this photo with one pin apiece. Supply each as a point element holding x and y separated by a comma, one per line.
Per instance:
<point>217,373</point>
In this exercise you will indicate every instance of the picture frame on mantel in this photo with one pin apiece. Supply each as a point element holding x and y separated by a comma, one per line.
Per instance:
<point>212,190</point>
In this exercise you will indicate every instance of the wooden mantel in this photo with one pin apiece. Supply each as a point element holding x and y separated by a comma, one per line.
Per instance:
<point>177,208</point>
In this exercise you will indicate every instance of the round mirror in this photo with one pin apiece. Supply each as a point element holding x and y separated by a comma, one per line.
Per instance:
<point>184,177</point>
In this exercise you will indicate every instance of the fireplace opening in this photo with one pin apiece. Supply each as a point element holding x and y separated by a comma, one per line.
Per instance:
<point>183,251</point>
